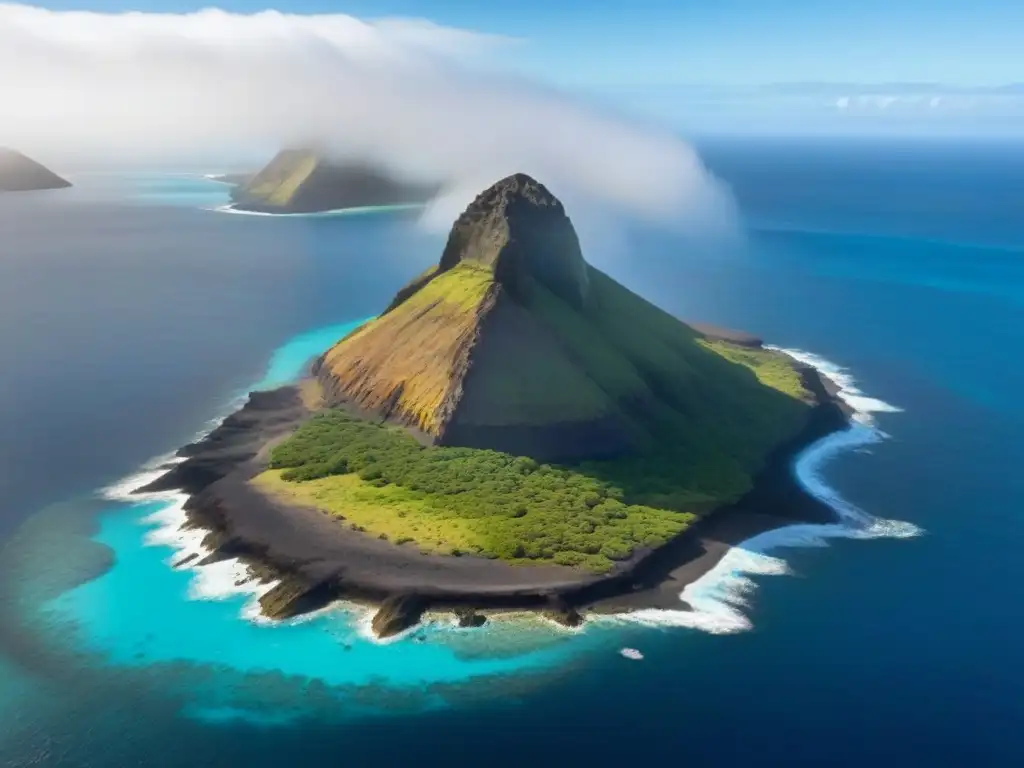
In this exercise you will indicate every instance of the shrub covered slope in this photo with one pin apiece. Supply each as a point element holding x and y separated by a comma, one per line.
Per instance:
<point>571,420</point>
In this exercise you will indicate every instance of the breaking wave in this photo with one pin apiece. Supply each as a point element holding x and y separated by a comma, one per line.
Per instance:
<point>719,597</point>
<point>365,210</point>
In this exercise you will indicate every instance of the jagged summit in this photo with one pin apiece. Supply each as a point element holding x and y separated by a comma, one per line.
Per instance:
<point>518,229</point>
<point>19,173</point>
<point>513,342</point>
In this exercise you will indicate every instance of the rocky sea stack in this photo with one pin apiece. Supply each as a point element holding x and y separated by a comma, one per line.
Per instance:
<point>22,174</point>
<point>307,181</point>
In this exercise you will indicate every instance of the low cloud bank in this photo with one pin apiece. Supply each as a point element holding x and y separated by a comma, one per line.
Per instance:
<point>401,92</point>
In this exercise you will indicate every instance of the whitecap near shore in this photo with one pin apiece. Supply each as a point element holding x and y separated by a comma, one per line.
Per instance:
<point>717,598</point>
<point>220,580</point>
<point>864,407</point>
<point>362,210</point>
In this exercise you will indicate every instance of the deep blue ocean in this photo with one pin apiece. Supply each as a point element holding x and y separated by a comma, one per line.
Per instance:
<point>132,314</point>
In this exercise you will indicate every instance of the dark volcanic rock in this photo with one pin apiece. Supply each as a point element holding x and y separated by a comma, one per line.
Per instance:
<point>467,617</point>
<point>295,595</point>
<point>563,613</point>
<point>236,440</point>
<point>398,613</point>
<point>519,229</point>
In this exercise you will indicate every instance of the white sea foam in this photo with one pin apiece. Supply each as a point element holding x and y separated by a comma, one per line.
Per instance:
<point>124,489</point>
<point>224,579</point>
<point>363,625</point>
<point>219,580</point>
<point>718,598</point>
<point>214,581</point>
<point>354,211</point>
<point>864,407</point>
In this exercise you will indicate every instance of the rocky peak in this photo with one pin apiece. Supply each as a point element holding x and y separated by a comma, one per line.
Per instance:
<point>520,230</point>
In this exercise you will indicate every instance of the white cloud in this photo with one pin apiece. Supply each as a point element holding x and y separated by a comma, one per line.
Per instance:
<point>161,85</point>
<point>931,102</point>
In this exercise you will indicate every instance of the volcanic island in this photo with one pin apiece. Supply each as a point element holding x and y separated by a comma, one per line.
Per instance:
<point>515,431</point>
<point>19,173</point>
<point>304,180</point>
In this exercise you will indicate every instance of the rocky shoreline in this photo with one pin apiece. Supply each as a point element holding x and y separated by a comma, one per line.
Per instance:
<point>316,560</point>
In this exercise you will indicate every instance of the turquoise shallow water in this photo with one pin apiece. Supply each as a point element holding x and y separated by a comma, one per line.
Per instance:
<point>152,188</point>
<point>198,190</point>
<point>143,611</point>
<point>184,190</point>
<point>289,361</point>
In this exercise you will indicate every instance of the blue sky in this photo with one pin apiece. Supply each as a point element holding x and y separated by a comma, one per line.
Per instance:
<point>726,42</point>
<point>847,65</point>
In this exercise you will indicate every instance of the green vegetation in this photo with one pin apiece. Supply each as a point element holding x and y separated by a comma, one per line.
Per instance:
<point>392,511</point>
<point>620,356</point>
<point>474,501</point>
<point>462,287</point>
<point>772,369</point>
<point>703,415</point>
<point>278,182</point>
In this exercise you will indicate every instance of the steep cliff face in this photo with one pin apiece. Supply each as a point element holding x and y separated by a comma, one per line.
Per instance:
<point>303,181</point>
<point>513,342</point>
<point>519,231</point>
<point>21,174</point>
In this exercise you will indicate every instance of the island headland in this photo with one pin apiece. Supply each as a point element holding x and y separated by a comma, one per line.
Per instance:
<point>516,431</point>
<point>19,173</point>
<point>308,181</point>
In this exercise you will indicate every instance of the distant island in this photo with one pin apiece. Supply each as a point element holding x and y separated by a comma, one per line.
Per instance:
<point>516,430</point>
<point>19,173</point>
<point>307,181</point>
